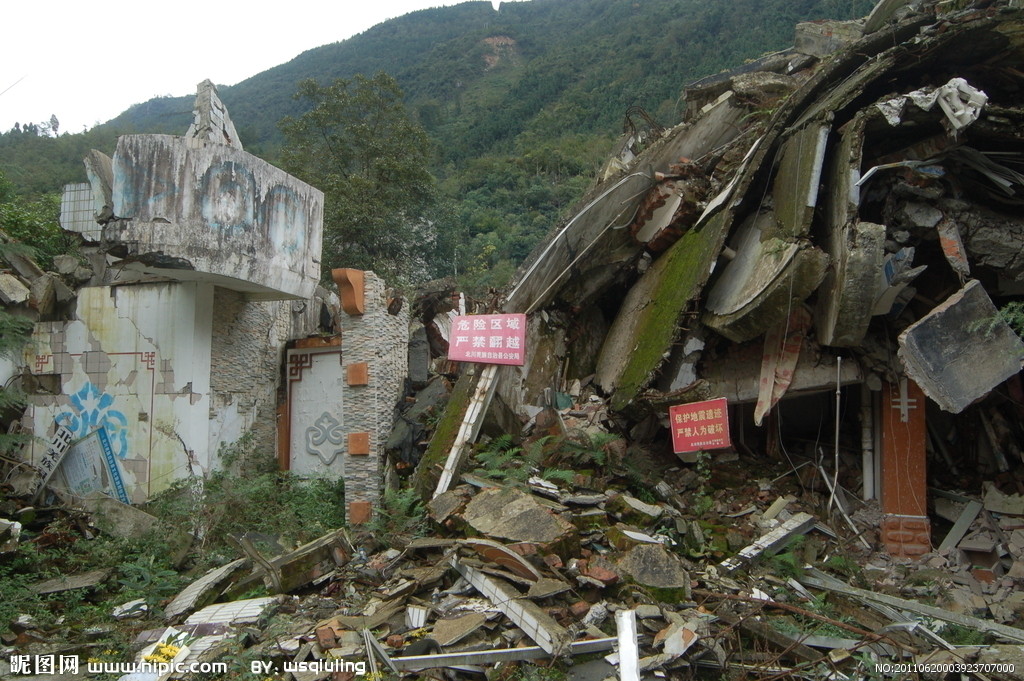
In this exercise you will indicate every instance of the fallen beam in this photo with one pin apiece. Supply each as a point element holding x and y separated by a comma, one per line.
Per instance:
<point>777,538</point>
<point>797,648</point>
<point>470,427</point>
<point>417,662</point>
<point>978,624</point>
<point>525,614</point>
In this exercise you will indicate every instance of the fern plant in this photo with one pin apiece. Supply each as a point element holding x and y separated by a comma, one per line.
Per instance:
<point>504,461</point>
<point>400,514</point>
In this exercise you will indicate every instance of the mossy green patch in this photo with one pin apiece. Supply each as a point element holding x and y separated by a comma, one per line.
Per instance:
<point>667,289</point>
<point>428,472</point>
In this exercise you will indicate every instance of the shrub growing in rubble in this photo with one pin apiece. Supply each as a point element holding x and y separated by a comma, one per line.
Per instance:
<point>251,495</point>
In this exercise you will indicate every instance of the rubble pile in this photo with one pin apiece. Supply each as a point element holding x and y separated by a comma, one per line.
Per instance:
<point>677,572</point>
<point>824,244</point>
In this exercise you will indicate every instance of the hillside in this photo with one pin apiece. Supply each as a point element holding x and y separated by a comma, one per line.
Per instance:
<point>522,104</point>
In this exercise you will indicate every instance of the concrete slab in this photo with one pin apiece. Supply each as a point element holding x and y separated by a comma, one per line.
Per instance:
<point>508,513</point>
<point>960,351</point>
<point>766,278</point>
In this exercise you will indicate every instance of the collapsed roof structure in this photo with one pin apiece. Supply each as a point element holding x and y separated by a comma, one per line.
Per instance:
<point>847,228</point>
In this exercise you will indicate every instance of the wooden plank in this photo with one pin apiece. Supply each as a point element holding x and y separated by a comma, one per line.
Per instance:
<point>796,647</point>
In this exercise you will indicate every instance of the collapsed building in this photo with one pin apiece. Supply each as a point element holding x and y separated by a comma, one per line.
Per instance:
<point>846,229</point>
<point>837,217</point>
<point>199,318</point>
<point>824,242</point>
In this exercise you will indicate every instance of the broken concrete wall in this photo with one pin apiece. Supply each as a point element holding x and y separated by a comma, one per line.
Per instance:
<point>248,343</point>
<point>207,246</point>
<point>215,213</point>
<point>135,361</point>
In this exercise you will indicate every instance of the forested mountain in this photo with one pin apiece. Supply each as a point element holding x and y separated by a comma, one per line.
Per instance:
<point>521,104</point>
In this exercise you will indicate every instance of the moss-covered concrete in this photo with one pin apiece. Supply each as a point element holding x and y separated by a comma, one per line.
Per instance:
<point>648,321</point>
<point>796,184</point>
<point>428,472</point>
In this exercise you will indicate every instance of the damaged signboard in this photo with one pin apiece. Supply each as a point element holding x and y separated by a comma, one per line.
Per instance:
<point>90,466</point>
<point>700,425</point>
<point>489,339</point>
<point>53,456</point>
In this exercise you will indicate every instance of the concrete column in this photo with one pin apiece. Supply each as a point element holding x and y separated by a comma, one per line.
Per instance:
<point>906,530</point>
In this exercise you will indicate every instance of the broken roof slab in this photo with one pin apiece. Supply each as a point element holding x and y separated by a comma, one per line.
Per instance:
<point>851,285</point>
<point>648,320</point>
<point>856,248</point>
<point>795,189</point>
<point>590,236</point>
<point>765,278</point>
<point>581,259</point>
<point>215,213</point>
<point>735,375</point>
<point>961,350</point>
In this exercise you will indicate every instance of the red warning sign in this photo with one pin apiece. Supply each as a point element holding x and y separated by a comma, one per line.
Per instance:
<point>700,425</point>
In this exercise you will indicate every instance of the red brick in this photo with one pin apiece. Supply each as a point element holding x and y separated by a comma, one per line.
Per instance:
<point>906,537</point>
<point>326,638</point>
<point>601,574</point>
<point>579,608</point>
<point>523,548</point>
<point>553,561</point>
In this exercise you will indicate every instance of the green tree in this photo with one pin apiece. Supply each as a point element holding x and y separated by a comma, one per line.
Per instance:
<point>358,145</point>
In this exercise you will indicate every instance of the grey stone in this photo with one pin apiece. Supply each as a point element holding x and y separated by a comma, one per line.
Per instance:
<point>508,513</point>
<point>651,566</point>
<point>419,356</point>
<point>65,264</point>
<point>12,291</point>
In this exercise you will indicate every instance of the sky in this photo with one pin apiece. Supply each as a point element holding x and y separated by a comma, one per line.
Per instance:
<point>86,62</point>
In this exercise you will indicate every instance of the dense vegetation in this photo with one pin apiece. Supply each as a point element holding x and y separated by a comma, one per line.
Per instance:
<point>520,105</point>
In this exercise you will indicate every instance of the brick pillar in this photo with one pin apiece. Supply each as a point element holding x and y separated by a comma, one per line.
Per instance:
<point>906,530</point>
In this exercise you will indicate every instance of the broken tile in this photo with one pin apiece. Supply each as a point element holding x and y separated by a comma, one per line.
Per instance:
<point>246,611</point>
<point>204,590</point>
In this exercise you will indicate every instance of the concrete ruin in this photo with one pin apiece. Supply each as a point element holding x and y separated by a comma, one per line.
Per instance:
<point>203,283</point>
<point>878,201</point>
